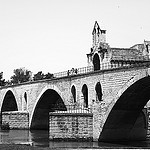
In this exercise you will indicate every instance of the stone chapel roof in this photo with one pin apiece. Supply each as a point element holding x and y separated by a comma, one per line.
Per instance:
<point>127,54</point>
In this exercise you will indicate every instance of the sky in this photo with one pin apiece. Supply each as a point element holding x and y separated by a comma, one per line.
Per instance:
<point>55,35</point>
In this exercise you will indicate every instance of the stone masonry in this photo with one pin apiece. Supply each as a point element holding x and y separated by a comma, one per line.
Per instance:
<point>72,126</point>
<point>15,120</point>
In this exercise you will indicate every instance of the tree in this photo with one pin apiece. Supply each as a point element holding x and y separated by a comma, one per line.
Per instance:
<point>2,81</point>
<point>48,76</point>
<point>42,76</point>
<point>38,76</point>
<point>21,75</point>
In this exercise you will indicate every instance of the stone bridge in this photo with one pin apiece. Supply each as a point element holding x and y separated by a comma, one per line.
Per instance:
<point>116,96</point>
<point>115,85</point>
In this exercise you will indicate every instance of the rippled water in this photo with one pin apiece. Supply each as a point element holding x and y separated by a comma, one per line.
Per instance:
<point>40,138</point>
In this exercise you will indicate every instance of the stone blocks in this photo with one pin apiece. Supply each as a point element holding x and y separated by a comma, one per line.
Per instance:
<point>15,120</point>
<point>70,126</point>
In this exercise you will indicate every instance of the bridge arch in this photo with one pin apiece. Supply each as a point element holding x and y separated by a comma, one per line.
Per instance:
<point>9,102</point>
<point>131,81</point>
<point>49,100</point>
<point>127,119</point>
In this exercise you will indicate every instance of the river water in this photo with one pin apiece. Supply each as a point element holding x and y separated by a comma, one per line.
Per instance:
<point>40,138</point>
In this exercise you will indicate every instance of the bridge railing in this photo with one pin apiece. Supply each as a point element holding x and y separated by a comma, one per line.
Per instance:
<point>78,109</point>
<point>88,69</point>
<point>61,74</point>
<point>104,66</point>
<point>74,71</point>
<point>74,108</point>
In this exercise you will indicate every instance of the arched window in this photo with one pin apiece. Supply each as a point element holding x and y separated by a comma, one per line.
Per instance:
<point>98,90</point>
<point>85,95</point>
<point>96,62</point>
<point>73,91</point>
<point>25,101</point>
<point>25,97</point>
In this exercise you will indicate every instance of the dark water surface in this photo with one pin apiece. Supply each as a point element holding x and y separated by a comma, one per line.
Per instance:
<point>40,138</point>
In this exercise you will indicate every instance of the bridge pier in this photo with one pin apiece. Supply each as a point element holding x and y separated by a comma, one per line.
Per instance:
<point>15,120</point>
<point>74,125</point>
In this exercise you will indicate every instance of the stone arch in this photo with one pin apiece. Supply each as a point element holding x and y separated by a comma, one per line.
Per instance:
<point>96,62</point>
<point>9,102</point>
<point>49,100</point>
<point>73,92</point>
<point>126,120</point>
<point>98,90</point>
<point>85,95</point>
<point>131,81</point>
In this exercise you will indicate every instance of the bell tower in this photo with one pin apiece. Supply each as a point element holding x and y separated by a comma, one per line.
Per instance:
<point>99,47</point>
<point>99,36</point>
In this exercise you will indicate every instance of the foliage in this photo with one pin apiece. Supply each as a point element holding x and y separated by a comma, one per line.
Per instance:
<point>42,76</point>
<point>21,75</point>
<point>38,76</point>
<point>2,81</point>
<point>48,76</point>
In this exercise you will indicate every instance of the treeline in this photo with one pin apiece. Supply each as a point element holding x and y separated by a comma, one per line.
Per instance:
<point>23,75</point>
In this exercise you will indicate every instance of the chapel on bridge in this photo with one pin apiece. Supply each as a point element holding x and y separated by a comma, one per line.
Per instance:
<point>102,56</point>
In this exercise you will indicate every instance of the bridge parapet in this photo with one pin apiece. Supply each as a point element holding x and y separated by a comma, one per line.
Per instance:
<point>104,66</point>
<point>85,70</point>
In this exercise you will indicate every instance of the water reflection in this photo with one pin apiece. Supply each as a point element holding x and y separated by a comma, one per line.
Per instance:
<point>14,136</point>
<point>36,138</point>
<point>40,138</point>
<point>63,144</point>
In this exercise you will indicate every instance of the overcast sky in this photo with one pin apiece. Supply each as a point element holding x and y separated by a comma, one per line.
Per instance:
<point>55,35</point>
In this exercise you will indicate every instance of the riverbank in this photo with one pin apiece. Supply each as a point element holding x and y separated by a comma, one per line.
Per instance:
<point>23,147</point>
<point>17,147</point>
<point>29,147</point>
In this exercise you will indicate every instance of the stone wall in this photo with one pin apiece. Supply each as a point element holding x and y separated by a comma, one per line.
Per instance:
<point>15,120</point>
<point>71,126</point>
